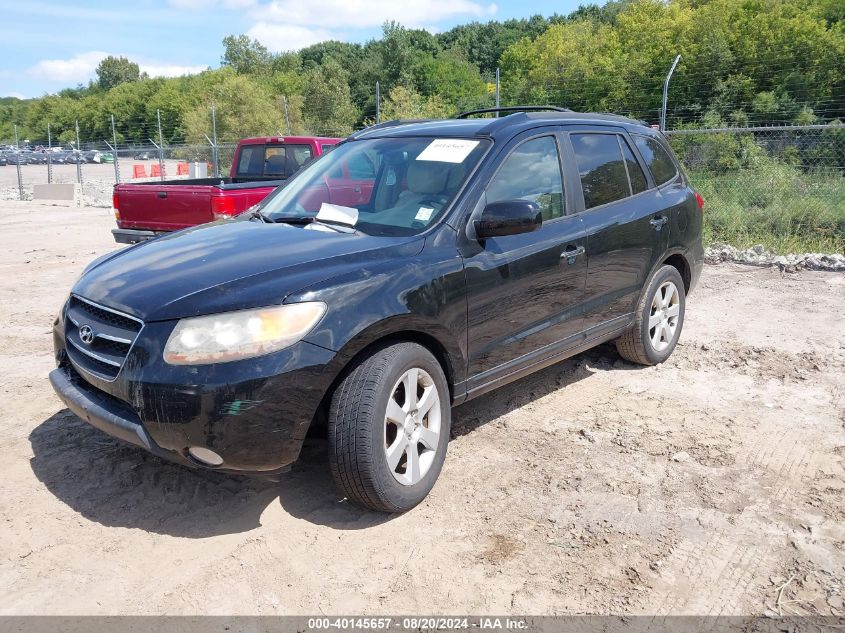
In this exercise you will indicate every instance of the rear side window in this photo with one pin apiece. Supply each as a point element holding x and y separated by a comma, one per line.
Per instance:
<point>657,158</point>
<point>602,170</point>
<point>635,172</point>
<point>531,172</point>
<point>272,161</point>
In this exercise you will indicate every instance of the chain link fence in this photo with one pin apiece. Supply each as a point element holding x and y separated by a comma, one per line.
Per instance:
<point>779,186</point>
<point>783,186</point>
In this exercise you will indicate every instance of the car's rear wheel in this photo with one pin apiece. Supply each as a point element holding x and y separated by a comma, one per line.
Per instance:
<point>389,424</point>
<point>660,318</point>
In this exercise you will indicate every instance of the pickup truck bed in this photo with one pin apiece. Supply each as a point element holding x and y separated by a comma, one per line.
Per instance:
<point>259,165</point>
<point>148,208</point>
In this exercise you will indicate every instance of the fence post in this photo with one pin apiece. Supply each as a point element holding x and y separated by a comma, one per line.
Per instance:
<point>160,146</point>
<point>78,156</point>
<point>49,155</point>
<point>497,90</point>
<point>287,114</point>
<point>666,94</point>
<point>18,164</point>
<point>114,151</point>
<point>378,103</point>
<point>216,173</point>
<point>215,158</point>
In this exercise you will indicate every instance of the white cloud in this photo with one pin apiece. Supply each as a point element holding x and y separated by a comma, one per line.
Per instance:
<point>281,37</point>
<point>15,95</point>
<point>81,67</point>
<point>367,13</point>
<point>78,68</point>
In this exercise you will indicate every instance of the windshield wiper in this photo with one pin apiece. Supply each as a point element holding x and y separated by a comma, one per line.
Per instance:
<point>300,220</point>
<point>257,214</point>
<point>296,219</point>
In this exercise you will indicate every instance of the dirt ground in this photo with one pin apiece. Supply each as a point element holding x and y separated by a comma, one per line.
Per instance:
<point>712,484</point>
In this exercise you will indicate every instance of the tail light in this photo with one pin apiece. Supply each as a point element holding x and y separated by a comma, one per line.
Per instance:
<point>114,200</point>
<point>222,207</point>
<point>699,200</point>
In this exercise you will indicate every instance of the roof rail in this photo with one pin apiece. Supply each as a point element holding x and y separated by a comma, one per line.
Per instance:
<point>525,108</point>
<point>385,124</point>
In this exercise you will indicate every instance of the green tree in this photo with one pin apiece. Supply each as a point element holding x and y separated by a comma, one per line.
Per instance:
<point>574,64</point>
<point>482,44</point>
<point>245,55</point>
<point>407,103</point>
<point>345,53</point>
<point>113,71</point>
<point>327,103</point>
<point>397,55</point>
<point>455,80</point>
<point>243,107</point>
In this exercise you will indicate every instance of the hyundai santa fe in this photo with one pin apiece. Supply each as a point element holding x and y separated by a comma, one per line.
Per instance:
<point>414,267</point>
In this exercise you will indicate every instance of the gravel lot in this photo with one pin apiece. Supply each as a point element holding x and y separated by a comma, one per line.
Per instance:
<point>712,484</point>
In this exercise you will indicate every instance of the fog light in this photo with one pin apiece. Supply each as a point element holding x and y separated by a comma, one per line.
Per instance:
<point>205,456</point>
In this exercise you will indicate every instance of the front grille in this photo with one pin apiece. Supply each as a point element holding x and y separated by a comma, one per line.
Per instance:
<point>98,338</point>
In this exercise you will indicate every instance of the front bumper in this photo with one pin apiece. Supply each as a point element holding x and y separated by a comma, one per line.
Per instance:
<point>102,411</point>
<point>253,413</point>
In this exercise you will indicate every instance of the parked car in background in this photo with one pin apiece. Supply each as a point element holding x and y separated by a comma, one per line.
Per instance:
<point>3,159</point>
<point>414,267</point>
<point>144,210</point>
<point>146,155</point>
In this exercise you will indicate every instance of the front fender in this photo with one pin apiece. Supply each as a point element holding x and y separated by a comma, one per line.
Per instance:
<point>422,297</point>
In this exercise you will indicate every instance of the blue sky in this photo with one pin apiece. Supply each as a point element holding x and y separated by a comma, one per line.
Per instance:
<point>47,45</point>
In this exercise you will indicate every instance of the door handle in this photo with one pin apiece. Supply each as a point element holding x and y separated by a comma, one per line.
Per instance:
<point>571,253</point>
<point>356,189</point>
<point>658,222</point>
<point>161,194</point>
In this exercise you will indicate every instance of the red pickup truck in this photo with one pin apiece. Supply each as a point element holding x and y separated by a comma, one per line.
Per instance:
<point>146,209</point>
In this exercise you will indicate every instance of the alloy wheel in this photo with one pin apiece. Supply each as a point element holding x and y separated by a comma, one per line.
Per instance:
<point>663,318</point>
<point>412,426</point>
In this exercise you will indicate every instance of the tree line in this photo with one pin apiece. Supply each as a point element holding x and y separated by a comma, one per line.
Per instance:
<point>744,62</point>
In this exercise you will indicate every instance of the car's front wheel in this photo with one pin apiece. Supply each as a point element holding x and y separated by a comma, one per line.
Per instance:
<point>389,427</point>
<point>660,318</point>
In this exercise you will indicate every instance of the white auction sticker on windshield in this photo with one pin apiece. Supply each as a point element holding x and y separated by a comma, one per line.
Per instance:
<point>424,214</point>
<point>447,150</point>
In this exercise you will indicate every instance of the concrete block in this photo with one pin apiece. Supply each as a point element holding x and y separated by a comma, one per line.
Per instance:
<point>71,192</point>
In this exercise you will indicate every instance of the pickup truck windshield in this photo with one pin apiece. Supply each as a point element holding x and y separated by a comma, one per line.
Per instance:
<point>395,186</point>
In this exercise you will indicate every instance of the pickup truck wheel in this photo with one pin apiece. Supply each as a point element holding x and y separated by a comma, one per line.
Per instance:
<point>660,318</point>
<point>388,428</point>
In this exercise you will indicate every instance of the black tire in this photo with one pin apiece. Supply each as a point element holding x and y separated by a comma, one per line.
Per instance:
<point>356,429</point>
<point>636,344</point>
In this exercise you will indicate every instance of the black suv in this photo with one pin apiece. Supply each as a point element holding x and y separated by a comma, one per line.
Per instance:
<point>415,266</point>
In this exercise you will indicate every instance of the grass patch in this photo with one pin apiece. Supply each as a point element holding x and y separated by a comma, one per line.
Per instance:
<point>784,208</point>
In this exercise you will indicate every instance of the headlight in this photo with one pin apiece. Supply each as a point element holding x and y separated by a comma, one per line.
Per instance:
<point>219,338</point>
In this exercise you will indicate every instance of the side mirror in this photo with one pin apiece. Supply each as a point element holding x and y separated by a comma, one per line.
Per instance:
<point>508,217</point>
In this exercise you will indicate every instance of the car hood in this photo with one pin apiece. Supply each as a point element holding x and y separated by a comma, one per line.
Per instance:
<point>228,266</point>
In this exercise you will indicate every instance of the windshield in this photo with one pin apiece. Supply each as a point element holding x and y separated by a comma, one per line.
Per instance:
<point>386,186</point>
